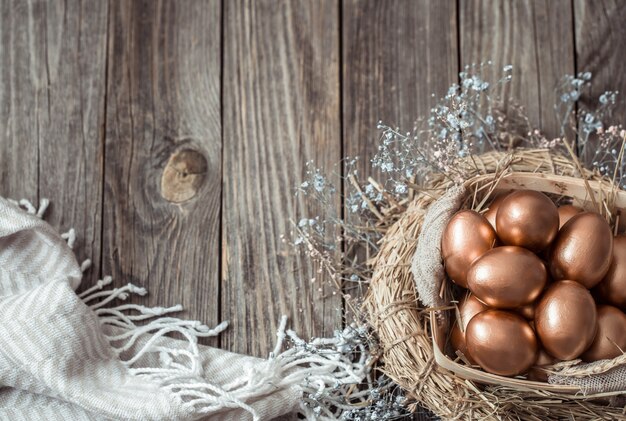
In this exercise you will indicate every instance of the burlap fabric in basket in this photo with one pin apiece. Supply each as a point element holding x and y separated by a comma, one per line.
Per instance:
<point>408,268</point>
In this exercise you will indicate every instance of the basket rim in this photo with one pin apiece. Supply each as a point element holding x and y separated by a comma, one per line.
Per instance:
<point>581,190</point>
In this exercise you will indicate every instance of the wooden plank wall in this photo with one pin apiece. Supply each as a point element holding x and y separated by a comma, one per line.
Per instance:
<point>281,109</point>
<point>600,36</point>
<point>171,136</point>
<point>52,102</point>
<point>535,36</point>
<point>395,55</point>
<point>163,144</point>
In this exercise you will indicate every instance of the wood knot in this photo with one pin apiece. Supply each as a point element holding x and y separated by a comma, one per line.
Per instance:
<point>183,175</point>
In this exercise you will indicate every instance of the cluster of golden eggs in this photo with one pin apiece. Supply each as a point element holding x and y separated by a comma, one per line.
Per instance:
<point>541,283</point>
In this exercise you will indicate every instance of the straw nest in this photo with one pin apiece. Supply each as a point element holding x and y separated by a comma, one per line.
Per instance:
<point>402,324</point>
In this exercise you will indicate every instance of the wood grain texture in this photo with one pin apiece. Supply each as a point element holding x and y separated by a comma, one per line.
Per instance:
<point>163,133</point>
<point>535,36</point>
<point>601,49</point>
<point>396,54</point>
<point>22,89</point>
<point>52,61</point>
<point>281,108</point>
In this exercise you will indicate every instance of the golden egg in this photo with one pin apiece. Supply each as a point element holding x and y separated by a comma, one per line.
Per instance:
<point>565,319</point>
<point>501,342</point>
<point>612,289</point>
<point>537,372</point>
<point>610,339</point>
<point>492,210</point>
<point>527,219</point>
<point>469,306</point>
<point>566,212</point>
<point>527,311</point>
<point>467,236</point>
<point>582,251</point>
<point>507,277</point>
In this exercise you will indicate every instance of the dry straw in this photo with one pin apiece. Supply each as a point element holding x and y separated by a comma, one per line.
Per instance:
<point>403,324</point>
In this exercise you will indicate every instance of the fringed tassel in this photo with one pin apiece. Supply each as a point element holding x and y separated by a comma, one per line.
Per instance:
<point>181,369</point>
<point>28,206</point>
<point>322,368</point>
<point>326,370</point>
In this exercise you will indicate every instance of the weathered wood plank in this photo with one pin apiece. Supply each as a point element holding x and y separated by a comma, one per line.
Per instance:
<point>281,108</point>
<point>52,67</point>
<point>395,55</point>
<point>535,36</point>
<point>20,94</point>
<point>161,213</point>
<point>600,41</point>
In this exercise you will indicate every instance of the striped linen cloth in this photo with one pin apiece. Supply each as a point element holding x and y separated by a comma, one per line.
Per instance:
<point>69,357</point>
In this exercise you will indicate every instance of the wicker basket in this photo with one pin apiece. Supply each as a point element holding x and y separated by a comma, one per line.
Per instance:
<point>413,352</point>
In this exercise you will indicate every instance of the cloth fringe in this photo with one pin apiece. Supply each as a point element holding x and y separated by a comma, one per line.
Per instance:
<point>323,368</point>
<point>320,367</point>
